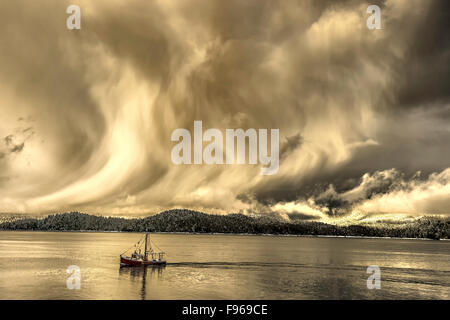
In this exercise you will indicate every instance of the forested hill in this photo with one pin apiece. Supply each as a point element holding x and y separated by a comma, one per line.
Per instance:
<point>198,222</point>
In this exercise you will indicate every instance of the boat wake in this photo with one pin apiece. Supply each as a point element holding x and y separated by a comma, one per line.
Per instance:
<point>240,264</point>
<point>228,264</point>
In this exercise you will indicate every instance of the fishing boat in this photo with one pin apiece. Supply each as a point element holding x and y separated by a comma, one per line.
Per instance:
<point>139,258</point>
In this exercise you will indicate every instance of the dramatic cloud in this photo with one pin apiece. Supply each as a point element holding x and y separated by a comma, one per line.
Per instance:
<point>87,115</point>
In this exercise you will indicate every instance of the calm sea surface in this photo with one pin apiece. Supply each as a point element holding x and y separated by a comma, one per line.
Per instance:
<point>33,266</point>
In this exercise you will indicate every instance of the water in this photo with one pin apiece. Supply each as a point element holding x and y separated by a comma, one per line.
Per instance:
<point>33,266</point>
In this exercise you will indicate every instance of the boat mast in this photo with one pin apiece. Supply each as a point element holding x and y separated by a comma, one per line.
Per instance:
<point>146,240</point>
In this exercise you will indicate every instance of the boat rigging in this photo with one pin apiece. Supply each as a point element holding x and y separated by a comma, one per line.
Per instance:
<point>142,258</point>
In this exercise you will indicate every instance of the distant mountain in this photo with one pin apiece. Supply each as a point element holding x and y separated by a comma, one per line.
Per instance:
<point>182,220</point>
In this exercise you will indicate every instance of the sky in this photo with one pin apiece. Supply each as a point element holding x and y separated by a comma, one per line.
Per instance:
<point>363,115</point>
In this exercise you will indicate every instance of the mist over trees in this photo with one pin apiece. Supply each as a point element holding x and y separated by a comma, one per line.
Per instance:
<point>182,220</point>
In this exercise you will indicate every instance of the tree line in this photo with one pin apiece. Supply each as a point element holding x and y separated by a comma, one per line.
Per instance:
<point>182,220</point>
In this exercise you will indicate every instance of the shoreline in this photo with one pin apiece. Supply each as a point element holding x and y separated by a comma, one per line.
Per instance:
<point>231,234</point>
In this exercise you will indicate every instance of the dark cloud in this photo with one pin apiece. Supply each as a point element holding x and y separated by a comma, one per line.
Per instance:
<point>8,140</point>
<point>10,146</point>
<point>18,147</point>
<point>290,145</point>
<point>426,76</point>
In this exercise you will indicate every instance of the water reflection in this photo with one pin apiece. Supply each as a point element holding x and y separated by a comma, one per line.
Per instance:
<point>139,274</point>
<point>33,266</point>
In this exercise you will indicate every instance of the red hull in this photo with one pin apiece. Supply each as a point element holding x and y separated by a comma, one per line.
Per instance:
<point>126,261</point>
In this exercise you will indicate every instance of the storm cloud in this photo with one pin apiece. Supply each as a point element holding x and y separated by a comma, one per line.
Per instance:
<point>360,111</point>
